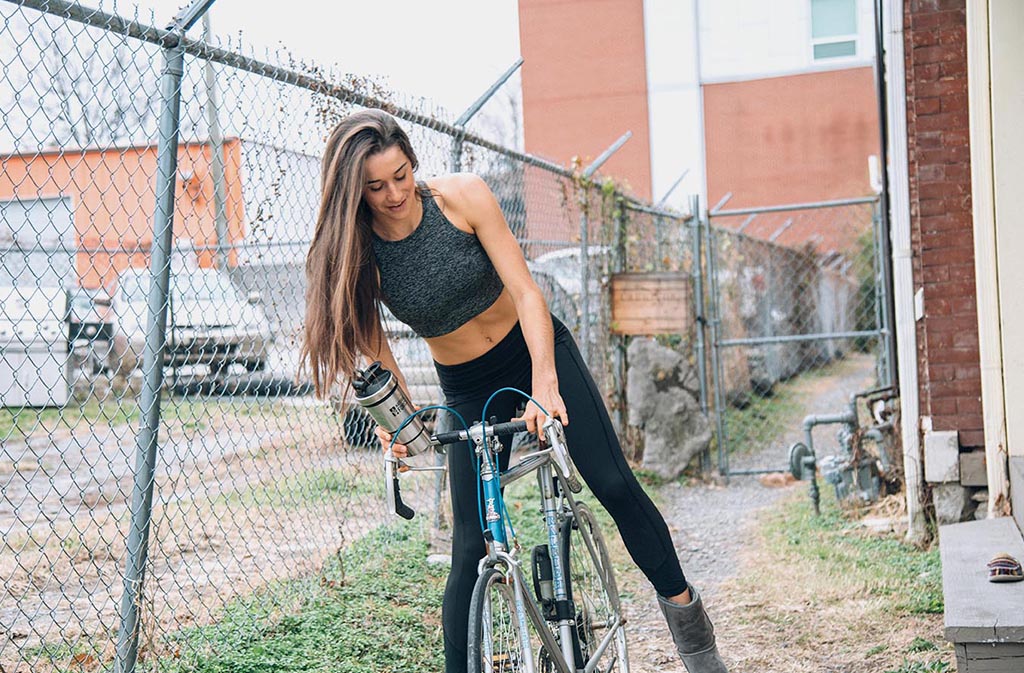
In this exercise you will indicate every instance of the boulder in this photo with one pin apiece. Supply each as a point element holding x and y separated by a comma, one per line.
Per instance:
<point>662,397</point>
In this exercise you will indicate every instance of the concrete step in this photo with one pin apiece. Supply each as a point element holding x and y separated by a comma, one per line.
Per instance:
<point>984,620</point>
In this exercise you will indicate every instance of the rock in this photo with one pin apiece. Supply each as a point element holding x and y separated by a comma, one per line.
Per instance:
<point>951,501</point>
<point>439,559</point>
<point>661,397</point>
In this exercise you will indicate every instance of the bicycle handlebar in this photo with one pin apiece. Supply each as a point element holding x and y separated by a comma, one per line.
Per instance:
<point>552,430</point>
<point>456,436</point>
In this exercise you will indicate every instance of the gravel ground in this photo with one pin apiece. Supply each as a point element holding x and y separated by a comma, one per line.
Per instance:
<point>711,522</point>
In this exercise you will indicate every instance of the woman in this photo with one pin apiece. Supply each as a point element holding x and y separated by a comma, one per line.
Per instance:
<point>441,256</point>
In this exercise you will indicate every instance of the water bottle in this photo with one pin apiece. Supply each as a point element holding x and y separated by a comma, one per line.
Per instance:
<point>379,393</point>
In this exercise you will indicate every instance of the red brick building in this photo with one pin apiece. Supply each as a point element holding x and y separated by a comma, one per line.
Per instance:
<point>939,162</point>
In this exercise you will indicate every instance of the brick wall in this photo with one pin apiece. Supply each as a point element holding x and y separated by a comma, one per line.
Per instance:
<point>940,211</point>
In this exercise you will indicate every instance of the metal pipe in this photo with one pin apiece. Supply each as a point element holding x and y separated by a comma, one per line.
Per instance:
<point>460,123</point>
<point>126,654</point>
<point>220,211</point>
<point>903,277</point>
<point>796,206</point>
<point>721,202</point>
<point>486,96</point>
<point>606,155</point>
<point>781,230</point>
<point>664,198</point>
<point>188,16</point>
<point>752,472</point>
<point>746,223</point>
<point>753,341</point>
<point>662,212</point>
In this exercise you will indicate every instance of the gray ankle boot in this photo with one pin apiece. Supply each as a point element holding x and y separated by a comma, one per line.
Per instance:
<point>693,634</point>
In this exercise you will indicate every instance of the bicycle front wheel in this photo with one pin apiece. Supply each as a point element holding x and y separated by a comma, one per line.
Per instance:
<point>592,589</point>
<point>495,629</point>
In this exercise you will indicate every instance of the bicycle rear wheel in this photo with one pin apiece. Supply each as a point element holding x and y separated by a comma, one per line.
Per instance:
<point>592,588</point>
<point>495,644</point>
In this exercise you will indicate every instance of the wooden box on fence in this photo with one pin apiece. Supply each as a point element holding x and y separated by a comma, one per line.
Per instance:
<point>651,303</point>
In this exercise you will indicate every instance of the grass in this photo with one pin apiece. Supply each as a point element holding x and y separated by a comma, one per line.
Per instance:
<point>375,607</point>
<point>27,421</point>
<point>835,547</point>
<point>305,489</point>
<point>322,623</point>
<point>825,589</point>
<point>189,413</point>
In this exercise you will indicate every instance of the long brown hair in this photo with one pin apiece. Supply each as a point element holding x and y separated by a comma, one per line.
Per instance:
<point>343,291</point>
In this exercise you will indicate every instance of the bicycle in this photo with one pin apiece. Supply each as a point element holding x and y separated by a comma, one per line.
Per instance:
<point>572,618</point>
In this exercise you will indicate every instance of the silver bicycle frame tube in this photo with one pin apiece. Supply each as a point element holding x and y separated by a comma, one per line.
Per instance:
<point>526,603</point>
<point>545,478</point>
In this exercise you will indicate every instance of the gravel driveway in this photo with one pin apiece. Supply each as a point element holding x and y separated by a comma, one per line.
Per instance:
<point>710,523</point>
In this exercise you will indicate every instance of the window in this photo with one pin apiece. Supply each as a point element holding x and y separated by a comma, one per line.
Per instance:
<point>833,28</point>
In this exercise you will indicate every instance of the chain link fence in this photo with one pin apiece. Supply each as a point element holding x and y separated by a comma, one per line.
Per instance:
<point>162,469</point>
<point>793,290</point>
<point>160,465</point>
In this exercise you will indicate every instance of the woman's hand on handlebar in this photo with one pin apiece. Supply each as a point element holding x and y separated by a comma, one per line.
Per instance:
<point>551,400</point>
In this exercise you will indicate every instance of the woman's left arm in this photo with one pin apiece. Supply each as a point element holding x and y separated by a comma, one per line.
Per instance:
<point>483,213</point>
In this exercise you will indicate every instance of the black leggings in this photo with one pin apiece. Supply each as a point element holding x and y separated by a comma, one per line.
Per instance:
<point>595,451</point>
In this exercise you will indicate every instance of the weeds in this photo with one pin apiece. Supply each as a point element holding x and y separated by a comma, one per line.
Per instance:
<point>375,607</point>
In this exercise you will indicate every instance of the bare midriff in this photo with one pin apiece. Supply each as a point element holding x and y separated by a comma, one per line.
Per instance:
<point>477,336</point>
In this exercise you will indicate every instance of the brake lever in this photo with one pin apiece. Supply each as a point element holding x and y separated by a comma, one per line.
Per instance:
<point>394,491</point>
<point>560,454</point>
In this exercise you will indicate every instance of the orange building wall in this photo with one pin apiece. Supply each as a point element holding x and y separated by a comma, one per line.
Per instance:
<point>585,84</point>
<point>792,139</point>
<point>112,193</point>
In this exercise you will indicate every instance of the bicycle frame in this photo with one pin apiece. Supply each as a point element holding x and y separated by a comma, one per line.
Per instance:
<point>557,480</point>
<point>555,500</point>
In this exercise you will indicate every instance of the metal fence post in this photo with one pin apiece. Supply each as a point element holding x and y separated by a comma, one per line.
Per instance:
<point>584,275</point>
<point>884,325</point>
<point>619,340</point>
<point>716,350</point>
<point>127,652</point>
<point>700,321</point>
<point>220,209</point>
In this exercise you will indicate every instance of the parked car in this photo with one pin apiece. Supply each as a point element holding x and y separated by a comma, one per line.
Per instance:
<point>208,323</point>
<point>90,325</point>
<point>90,315</point>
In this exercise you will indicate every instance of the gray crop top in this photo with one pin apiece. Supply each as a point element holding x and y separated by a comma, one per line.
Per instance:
<point>438,277</point>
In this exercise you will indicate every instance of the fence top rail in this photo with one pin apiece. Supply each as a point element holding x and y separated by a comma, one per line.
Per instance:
<point>656,212</point>
<point>795,206</point>
<point>166,38</point>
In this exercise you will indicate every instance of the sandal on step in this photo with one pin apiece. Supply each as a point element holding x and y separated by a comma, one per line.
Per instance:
<point>1004,568</point>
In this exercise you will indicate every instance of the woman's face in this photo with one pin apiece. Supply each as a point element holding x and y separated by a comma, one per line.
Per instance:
<point>389,188</point>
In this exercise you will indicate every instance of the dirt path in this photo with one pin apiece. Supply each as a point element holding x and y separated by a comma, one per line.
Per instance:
<point>711,524</point>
